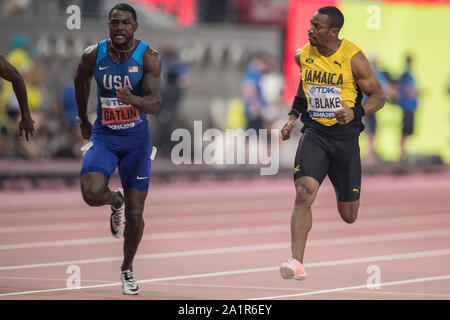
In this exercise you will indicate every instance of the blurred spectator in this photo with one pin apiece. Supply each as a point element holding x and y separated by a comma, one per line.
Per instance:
<point>408,94</point>
<point>15,7</point>
<point>174,81</point>
<point>252,92</point>
<point>272,85</point>
<point>70,136</point>
<point>370,120</point>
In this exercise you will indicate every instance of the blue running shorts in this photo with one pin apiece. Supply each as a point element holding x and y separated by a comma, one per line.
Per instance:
<point>130,153</point>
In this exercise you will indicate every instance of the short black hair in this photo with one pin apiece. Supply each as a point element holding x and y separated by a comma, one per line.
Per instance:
<point>124,7</point>
<point>335,16</point>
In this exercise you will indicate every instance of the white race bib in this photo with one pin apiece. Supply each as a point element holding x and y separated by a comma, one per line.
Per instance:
<point>323,100</point>
<point>115,113</point>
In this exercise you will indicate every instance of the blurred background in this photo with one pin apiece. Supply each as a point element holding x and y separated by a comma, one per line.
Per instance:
<point>228,63</point>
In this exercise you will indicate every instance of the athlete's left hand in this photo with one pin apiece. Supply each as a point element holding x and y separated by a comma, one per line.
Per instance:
<point>124,95</point>
<point>344,115</point>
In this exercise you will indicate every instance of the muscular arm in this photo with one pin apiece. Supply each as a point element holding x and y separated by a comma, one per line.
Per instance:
<point>82,84</point>
<point>9,73</point>
<point>83,79</point>
<point>151,85</point>
<point>368,82</point>
<point>300,92</point>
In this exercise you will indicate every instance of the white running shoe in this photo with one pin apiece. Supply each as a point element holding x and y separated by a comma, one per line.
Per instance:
<point>129,285</point>
<point>117,219</point>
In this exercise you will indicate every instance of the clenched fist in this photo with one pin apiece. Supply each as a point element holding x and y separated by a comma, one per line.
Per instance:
<point>344,115</point>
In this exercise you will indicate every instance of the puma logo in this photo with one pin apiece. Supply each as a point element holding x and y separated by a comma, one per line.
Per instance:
<point>339,64</point>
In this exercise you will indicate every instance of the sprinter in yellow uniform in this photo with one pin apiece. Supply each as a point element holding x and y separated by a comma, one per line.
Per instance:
<point>334,76</point>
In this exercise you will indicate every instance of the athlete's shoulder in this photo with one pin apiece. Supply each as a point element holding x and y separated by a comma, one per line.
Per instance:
<point>152,61</point>
<point>151,51</point>
<point>89,56</point>
<point>305,49</point>
<point>301,51</point>
<point>147,51</point>
<point>350,47</point>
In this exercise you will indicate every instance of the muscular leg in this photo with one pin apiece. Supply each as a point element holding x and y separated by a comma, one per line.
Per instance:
<point>301,220</point>
<point>134,225</point>
<point>95,191</point>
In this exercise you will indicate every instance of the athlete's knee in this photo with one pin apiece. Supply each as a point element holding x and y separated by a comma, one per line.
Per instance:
<point>93,193</point>
<point>304,196</point>
<point>348,212</point>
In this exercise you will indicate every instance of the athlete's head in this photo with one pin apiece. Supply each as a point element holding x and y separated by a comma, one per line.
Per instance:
<point>325,25</point>
<point>122,24</point>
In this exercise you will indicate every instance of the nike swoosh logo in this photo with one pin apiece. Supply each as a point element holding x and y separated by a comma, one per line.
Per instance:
<point>141,178</point>
<point>103,68</point>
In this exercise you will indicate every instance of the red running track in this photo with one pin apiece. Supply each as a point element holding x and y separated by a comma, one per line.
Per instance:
<point>213,240</point>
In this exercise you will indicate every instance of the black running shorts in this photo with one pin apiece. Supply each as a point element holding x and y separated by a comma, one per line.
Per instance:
<point>319,155</point>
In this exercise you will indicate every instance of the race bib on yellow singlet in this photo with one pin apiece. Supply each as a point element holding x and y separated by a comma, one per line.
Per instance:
<point>115,112</point>
<point>323,100</point>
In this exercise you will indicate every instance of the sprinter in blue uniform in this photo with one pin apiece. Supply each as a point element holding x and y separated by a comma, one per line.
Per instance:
<point>127,72</point>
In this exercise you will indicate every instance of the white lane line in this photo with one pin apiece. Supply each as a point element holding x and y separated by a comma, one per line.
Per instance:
<point>281,228</point>
<point>299,289</point>
<point>263,247</point>
<point>383,284</point>
<point>259,216</point>
<point>410,255</point>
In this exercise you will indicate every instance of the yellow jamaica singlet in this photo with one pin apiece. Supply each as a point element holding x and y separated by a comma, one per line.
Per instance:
<point>325,80</point>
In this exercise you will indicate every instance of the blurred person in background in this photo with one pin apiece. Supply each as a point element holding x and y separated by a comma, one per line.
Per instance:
<point>252,92</point>
<point>128,76</point>
<point>328,100</point>
<point>407,94</point>
<point>67,110</point>
<point>272,84</point>
<point>370,119</point>
<point>174,81</point>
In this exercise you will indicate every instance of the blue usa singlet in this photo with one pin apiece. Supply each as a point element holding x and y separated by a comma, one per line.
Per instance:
<point>111,114</point>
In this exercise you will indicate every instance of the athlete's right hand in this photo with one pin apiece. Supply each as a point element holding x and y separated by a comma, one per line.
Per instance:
<point>86,129</point>
<point>287,128</point>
